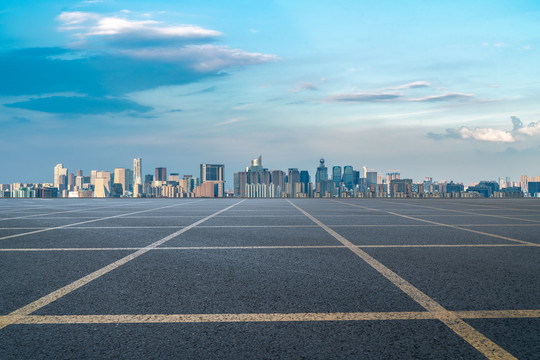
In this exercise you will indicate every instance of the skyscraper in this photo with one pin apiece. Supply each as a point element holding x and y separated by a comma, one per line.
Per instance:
<point>60,170</point>
<point>161,174</point>
<point>137,171</point>
<point>348,177</point>
<point>212,172</point>
<point>371,177</point>
<point>304,180</point>
<point>336,174</point>
<point>322,172</point>
<point>120,178</point>
<point>293,179</point>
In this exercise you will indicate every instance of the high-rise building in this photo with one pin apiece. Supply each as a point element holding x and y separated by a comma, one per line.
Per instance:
<point>60,170</point>
<point>322,172</point>
<point>137,171</point>
<point>102,185</point>
<point>256,164</point>
<point>278,182</point>
<point>93,176</point>
<point>293,179</point>
<point>371,177</point>
<point>161,174</point>
<point>174,177</point>
<point>254,182</point>
<point>70,181</point>
<point>212,172</point>
<point>304,179</point>
<point>336,174</point>
<point>348,177</point>
<point>120,178</point>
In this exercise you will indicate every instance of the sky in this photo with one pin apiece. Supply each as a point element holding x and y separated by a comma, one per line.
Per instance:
<point>449,90</point>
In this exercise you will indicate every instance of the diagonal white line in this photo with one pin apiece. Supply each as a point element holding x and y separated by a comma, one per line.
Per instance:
<point>483,344</point>
<point>55,295</point>
<point>93,220</point>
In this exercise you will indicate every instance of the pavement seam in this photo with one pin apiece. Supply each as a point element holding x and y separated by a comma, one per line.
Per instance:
<point>57,294</point>
<point>475,338</point>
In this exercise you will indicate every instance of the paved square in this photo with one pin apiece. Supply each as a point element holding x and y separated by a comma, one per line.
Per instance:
<point>269,278</point>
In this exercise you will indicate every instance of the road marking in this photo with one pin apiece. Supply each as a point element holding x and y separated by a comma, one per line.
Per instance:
<point>262,226</point>
<point>261,247</point>
<point>93,220</point>
<point>497,314</point>
<point>61,212</point>
<point>257,317</point>
<point>468,213</point>
<point>479,341</point>
<point>55,295</point>
<point>447,225</point>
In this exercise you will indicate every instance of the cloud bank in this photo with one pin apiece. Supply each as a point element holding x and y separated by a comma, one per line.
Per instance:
<point>519,132</point>
<point>113,55</point>
<point>399,94</point>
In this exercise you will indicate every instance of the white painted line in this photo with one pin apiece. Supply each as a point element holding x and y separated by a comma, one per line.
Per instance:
<point>60,212</point>
<point>55,295</point>
<point>468,213</point>
<point>449,225</point>
<point>258,317</point>
<point>89,221</point>
<point>255,247</point>
<point>484,345</point>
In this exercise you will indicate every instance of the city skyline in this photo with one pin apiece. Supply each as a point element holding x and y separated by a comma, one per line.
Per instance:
<point>257,181</point>
<point>138,169</point>
<point>447,90</point>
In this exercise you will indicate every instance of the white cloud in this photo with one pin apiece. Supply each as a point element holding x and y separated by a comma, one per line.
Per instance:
<point>533,129</point>
<point>518,133</point>
<point>203,57</point>
<point>486,134</point>
<point>445,97</point>
<point>152,40</point>
<point>413,85</point>
<point>397,97</point>
<point>365,97</point>
<point>120,28</point>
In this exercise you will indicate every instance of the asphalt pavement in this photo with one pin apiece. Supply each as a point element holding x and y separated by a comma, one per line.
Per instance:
<point>269,278</point>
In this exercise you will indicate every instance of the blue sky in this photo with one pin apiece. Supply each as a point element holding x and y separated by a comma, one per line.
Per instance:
<point>443,89</point>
